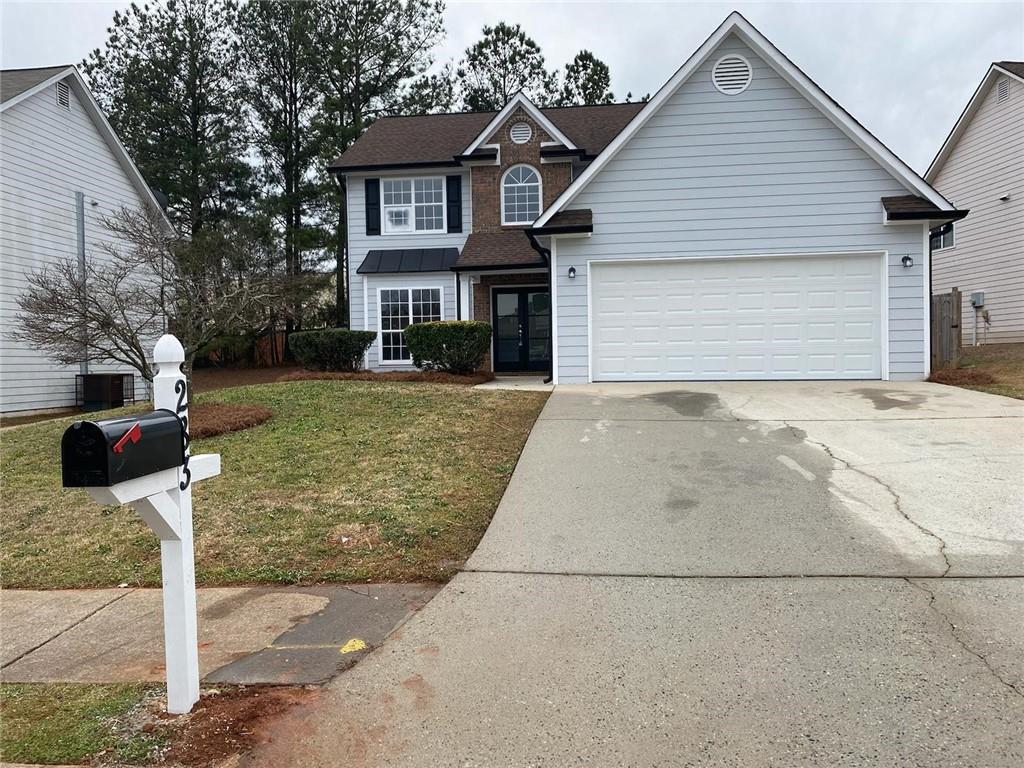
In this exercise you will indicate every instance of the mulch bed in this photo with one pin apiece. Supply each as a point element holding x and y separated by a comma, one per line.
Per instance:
<point>209,419</point>
<point>430,377</point>
<point>961,377</point>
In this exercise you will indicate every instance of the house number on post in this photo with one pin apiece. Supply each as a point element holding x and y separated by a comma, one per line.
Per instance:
<point>143,462</point>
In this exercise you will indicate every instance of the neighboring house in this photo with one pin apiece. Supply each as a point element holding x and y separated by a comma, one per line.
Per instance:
<point>981,166</point>
<point>62,169</point>
<point>739,225</point>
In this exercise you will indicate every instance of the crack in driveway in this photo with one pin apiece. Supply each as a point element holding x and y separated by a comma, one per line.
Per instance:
<point>897,500</point>
<point>960,641</point>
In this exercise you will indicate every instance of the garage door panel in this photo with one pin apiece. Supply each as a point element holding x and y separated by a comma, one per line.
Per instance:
<point>809,317</point>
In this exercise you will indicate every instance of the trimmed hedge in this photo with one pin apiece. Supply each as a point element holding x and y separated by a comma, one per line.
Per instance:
<point>333,349</point>
<point>453,346</point>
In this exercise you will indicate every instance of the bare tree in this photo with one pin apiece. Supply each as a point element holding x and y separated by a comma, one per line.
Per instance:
<point>227,279</point>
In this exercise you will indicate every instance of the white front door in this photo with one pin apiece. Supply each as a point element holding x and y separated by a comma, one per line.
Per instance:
<point>808,317</point>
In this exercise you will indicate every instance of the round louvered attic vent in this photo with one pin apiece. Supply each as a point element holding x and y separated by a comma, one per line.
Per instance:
<point>521,133</point>
<point>732,74</point>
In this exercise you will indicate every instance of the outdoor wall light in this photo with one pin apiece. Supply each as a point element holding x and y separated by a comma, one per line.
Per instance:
<point>908,261</point>
<point>572,273</point>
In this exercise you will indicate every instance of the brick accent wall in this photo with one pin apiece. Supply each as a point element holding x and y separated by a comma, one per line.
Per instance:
<point>482,297</point>
<point>485,180</point>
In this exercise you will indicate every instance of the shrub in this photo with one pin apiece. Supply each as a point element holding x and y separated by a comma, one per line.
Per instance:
<point>334,349</point>
<point>453,346</point>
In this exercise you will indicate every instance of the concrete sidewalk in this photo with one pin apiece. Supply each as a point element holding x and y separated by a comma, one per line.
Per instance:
<point>247,635</point>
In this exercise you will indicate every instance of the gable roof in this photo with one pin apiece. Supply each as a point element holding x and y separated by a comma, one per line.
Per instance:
<point>439,140</point>
<point>25,83</point>
<point>736,24</point>
<point>14,82</point>
<point>520,101</point>
<point>1014,69</point>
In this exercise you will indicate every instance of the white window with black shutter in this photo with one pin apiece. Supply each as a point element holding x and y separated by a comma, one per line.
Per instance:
<point>418,205</point>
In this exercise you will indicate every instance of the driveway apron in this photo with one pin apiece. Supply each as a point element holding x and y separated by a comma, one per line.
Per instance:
<point>747,574</point>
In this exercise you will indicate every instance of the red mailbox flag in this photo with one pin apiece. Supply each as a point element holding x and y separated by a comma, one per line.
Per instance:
<point>133,435</point>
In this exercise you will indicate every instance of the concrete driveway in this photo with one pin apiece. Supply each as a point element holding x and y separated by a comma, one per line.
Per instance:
<point>719,574</point>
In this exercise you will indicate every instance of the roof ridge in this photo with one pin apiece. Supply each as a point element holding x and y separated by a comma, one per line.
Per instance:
<point>494,111</point>
<point>32,69</point>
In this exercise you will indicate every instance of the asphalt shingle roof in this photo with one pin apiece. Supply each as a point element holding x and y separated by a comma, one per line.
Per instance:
<point>14,82</point>
<point>437,139</point>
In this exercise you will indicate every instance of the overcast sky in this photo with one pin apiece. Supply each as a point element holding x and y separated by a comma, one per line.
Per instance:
<point>904,70</point>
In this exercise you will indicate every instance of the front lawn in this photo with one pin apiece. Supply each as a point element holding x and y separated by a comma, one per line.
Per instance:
<point>348,481</point>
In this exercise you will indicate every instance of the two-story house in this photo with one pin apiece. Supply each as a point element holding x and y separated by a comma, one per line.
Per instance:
<point>981,166</point>
<point>739,225</point>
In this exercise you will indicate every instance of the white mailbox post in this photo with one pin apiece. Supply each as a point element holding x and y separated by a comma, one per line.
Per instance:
<point>164,500</point>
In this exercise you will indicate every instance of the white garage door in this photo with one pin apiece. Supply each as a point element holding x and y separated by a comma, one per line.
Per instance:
<point>812,317</point>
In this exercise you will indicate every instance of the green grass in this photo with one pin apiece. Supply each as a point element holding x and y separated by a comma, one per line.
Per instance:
<point>71,723</point>
<point>1003,362</point>
<point>410,473</point>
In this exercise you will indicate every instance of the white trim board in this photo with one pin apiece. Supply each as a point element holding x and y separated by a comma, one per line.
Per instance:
<point>993,74</point>
<point>736,24</point>
<point>110,138</point>
<point>519,100</point>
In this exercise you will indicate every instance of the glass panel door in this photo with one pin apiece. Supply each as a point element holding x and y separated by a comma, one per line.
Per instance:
<point>508,331</point>
<point>522,329</point>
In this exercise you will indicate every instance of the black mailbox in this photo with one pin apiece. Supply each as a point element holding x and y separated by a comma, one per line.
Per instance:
<point>108,452</point>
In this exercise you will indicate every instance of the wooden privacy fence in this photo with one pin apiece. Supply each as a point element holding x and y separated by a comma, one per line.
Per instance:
<point>946,309</point>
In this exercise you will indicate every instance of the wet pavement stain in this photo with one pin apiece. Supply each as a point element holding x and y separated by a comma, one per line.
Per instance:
<point>884,400</point>
<point>693,405</point>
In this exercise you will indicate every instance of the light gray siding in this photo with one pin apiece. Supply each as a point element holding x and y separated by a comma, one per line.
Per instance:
<point>363,297</point>
<point>988,252</point>
<point>762,172</point>
<point>48,154</point>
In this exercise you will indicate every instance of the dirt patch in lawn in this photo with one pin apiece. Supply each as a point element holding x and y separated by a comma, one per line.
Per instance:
<point>227,723</point>
<point>429,377</point>
<point>209,419</point>
<point>961,377</point>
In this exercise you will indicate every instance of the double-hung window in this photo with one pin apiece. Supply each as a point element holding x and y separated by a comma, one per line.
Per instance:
<point>400,308</point>
<point>413,205</point>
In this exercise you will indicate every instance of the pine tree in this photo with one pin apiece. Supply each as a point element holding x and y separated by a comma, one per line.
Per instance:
<point>586,81</point>
<point>374,55</point>
<point>281,85</point>
<point>504,62</point>
<point>166,77</point>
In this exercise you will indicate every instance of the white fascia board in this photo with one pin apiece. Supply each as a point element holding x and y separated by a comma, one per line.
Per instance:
<point>994,72</point>
<point>735,23</point>
<point>519,100</point>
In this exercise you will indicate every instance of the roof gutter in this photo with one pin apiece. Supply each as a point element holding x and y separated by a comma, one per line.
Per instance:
<point>545,254</point>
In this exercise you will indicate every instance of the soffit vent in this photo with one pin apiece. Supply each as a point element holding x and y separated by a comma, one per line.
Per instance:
<point>732,74</point>
<point>1002,90</point>
<point>521,133</point>
<point>63,95</point>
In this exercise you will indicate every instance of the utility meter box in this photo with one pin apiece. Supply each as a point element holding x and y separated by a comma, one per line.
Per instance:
<point>978,299</point>
<point>111,451</point>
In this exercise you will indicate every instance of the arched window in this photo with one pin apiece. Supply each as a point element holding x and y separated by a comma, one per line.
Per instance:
<point>520,195</point>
